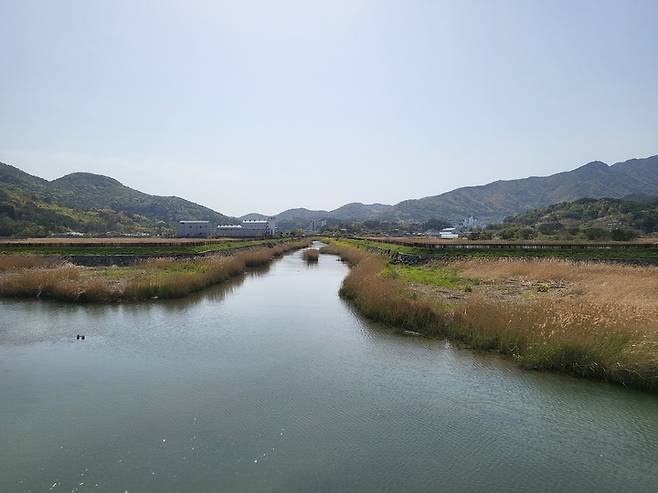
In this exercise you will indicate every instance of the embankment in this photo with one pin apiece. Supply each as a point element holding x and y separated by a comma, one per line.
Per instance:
<point>417,251</point>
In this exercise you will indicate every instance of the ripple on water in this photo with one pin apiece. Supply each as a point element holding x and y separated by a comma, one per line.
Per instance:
<point>274,384</point>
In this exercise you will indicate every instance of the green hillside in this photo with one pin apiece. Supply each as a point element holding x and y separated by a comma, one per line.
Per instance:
<point>87,203</point>
<point>591,219</point>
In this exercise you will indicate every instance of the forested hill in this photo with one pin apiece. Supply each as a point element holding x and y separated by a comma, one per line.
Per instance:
<point>593,219</point>
<point>88,203</point>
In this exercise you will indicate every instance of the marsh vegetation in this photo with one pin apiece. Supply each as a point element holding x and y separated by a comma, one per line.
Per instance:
<point>37,277</point>
<point>594,320</point>
<point>311,255</point>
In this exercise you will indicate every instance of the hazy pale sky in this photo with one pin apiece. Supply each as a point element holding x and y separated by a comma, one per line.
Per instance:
<point>261,106</point>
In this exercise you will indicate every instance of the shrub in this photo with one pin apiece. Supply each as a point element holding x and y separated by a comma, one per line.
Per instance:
<point>311,255</point>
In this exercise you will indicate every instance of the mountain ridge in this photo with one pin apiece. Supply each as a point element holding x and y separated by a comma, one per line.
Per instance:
<point>496,200</point>
<point>87,202</point>
<point>30,205</point>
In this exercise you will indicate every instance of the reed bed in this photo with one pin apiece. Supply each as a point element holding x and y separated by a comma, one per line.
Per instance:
<point>311,255</point>
<point>17,262</point>
<point>625,284</point>
<point>384,299</point>
<point>159,278</point>
<point>349,254</point>
<point>593,332</point>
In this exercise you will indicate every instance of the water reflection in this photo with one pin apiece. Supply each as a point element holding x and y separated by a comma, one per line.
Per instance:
<point>65,320</point>
<point>273,383</point>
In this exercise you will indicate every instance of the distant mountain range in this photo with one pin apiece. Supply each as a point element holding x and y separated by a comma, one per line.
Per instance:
<point>493,202</point>
<point>84,202</point>
<point>95,204</point>
<point>294,218</point>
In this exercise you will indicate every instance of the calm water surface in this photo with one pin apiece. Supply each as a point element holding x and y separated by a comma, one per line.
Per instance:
<point>272,383</point>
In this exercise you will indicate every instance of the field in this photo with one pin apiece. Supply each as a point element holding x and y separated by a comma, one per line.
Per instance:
<point>49,278</point>
<point>643,252</point>
<point>589,319</point>
<point>124,246</point>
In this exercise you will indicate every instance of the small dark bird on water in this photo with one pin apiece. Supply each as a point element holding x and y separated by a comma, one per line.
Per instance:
<point>78,337</point>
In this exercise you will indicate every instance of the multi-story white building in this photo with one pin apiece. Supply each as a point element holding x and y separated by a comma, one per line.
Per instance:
<point>448,233</point>
<point>248,229</point>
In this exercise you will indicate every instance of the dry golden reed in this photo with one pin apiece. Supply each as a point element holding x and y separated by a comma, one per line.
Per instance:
<point>311,255</point>
<point>17,262</point>
<point>594,332</point>
<point>158,278</point>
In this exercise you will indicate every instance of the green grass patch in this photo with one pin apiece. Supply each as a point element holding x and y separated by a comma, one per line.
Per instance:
<point>444,277</point>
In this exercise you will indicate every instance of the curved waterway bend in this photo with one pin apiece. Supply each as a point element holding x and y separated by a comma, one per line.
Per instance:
<point>272,383</point>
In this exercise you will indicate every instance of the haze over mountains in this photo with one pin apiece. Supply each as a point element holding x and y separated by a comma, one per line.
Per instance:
<point>495,201</point>
<point>91,203</point>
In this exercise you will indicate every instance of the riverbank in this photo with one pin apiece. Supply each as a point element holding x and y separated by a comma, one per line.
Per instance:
<point>50,278</point>
<point>590,320</point>
<point>424,250</point>
<point>122,247</point>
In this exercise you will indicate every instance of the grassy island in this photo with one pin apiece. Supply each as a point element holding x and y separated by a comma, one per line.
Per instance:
<point>589,319</point>
<point>311,255</point>
<point>50,278</point>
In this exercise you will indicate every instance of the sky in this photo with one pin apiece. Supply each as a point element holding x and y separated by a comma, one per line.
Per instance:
<point>249,106</point>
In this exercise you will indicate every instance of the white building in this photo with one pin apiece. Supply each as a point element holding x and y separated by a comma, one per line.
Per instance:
<point>192,229</point>
<point>448,234</point>
<point>248,229</point>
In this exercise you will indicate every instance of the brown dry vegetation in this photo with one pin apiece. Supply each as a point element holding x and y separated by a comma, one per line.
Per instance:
<point>594,320</point>
<point>159,278</point>
<point>17,262</point>
<point>311,255</point>
<point>626,285</point>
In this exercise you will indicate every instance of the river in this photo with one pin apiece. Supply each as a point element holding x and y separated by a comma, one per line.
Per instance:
<point>273,383</point>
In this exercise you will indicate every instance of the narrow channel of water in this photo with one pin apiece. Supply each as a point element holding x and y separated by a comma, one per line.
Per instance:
<point>272,383</point>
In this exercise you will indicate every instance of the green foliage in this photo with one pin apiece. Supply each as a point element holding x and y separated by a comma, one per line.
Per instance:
<point>444,277</point>
<point>591,219</point>
<point>87,203</point>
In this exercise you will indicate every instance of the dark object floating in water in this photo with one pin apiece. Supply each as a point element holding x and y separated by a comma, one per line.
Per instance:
<point>79,337</point>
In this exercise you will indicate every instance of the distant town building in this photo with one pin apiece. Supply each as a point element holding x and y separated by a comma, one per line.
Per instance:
<point>193,229</point>
<point>248,229</point>
<point>448,234</point>
<point>316,225</point>
<point>470,222</point>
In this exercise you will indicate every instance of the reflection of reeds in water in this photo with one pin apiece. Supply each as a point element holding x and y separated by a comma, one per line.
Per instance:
<point>597,331</point>
<point>160,278</point>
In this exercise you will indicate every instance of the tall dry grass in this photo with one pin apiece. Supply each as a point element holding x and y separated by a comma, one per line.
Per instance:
<point>383,299</point>
<point>158,278</point>
<point>311,255</point>
<point>17,262</point>
<point>625,284</point>
<point>58,282</point>
<point>347,253</point>
<point>593,333</point>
